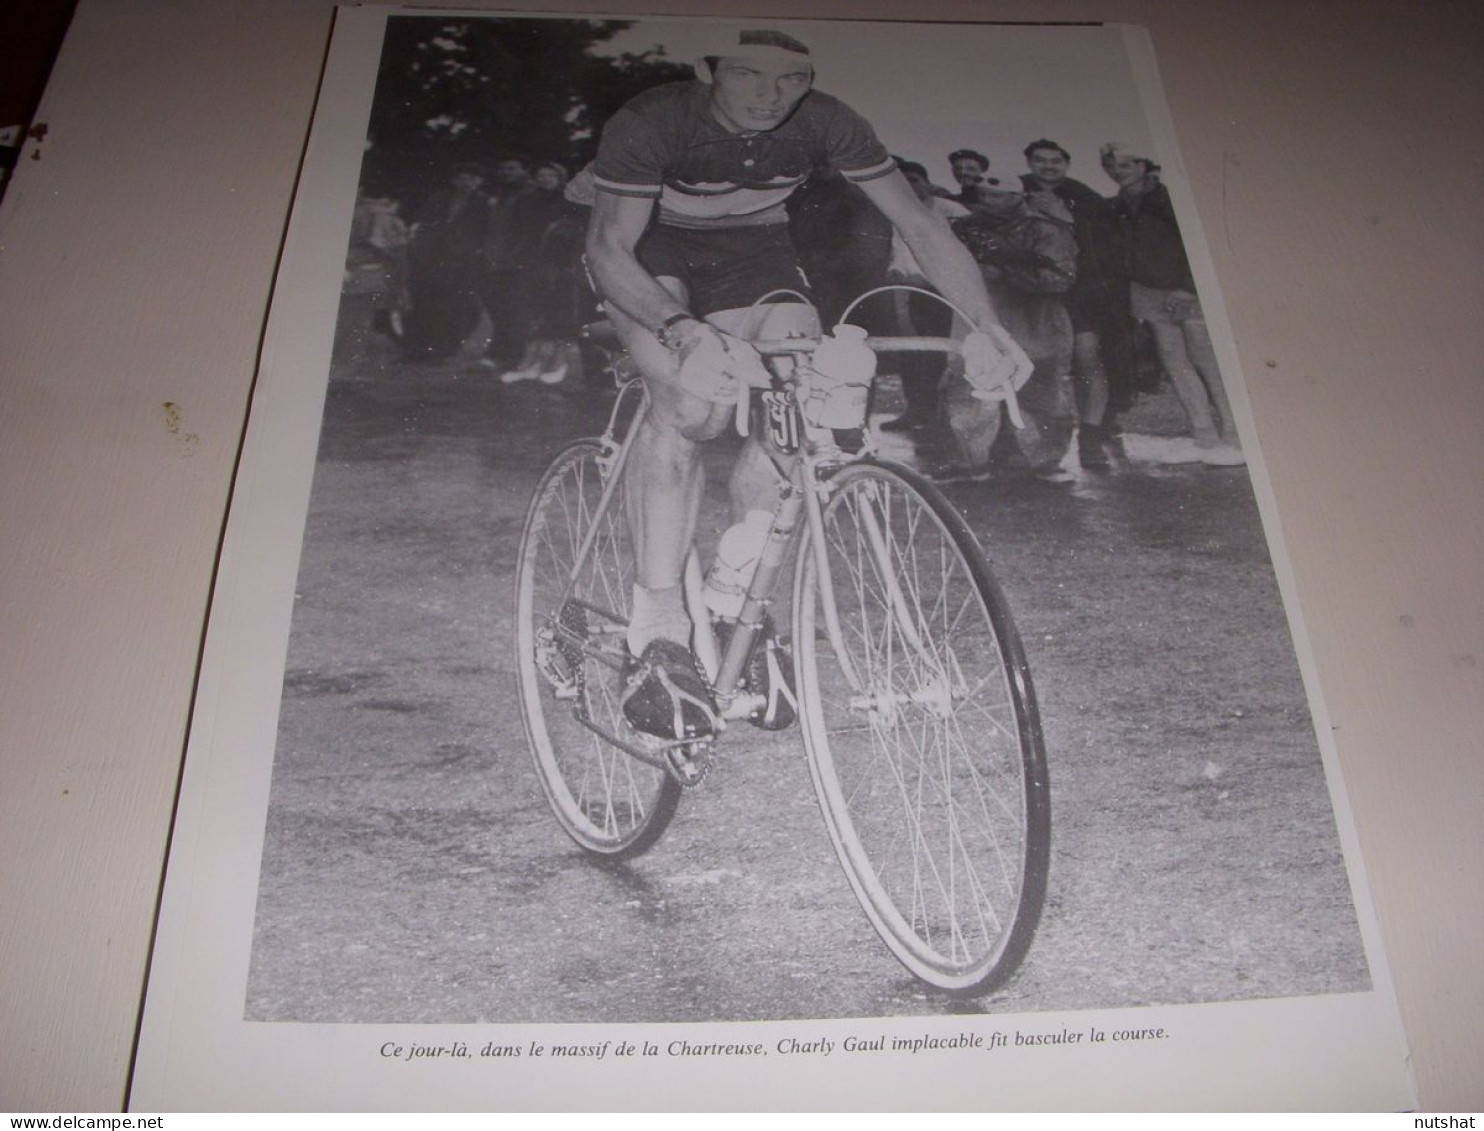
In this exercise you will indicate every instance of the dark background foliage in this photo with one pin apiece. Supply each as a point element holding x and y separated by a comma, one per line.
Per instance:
<point>473,90</point>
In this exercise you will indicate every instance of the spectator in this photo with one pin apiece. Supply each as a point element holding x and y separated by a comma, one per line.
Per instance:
<point>842,239</point>
<point>1102,350</point>
<point>971,171</point>
<point>375,277</point>
<point>444,266</point>
<point>545,249</point>
<point>1028,258</point>
<point>501,252</point>
<point>916,314</point>
<point>1162,295</point>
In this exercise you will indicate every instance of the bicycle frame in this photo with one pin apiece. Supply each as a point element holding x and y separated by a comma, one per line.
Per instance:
<point>908,681</point>
<point>802,493</point>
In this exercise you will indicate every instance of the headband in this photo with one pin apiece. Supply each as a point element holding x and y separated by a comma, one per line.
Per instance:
<point>770,46</point>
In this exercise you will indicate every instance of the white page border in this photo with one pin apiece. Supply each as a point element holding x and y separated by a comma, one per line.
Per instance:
<point>196,1053</point>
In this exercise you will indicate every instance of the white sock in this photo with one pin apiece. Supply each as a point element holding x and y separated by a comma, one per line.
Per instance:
<point>658,614</point>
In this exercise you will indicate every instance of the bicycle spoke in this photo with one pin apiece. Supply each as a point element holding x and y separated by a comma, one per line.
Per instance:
<point>607,801</point>
<point>921,767</point>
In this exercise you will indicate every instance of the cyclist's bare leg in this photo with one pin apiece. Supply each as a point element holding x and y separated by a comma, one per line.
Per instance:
<point>754,482</point>
<point>664,480</point>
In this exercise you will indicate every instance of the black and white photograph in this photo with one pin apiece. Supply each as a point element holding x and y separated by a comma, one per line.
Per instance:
<point>783,540</point>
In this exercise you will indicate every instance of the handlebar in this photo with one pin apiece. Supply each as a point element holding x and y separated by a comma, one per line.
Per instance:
<point>782,347</point>
<point>602,333</point>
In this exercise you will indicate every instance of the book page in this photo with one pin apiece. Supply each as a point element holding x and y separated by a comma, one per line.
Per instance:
<point>1092,855</point>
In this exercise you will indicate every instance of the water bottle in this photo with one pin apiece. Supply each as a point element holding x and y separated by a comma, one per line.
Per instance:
<point>737,555</point>
<point>836,385</point>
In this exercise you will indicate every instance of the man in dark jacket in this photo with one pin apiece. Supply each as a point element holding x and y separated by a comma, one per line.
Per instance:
<point>444,265</point>
<point>1028,257</point>
<point>1103,350</point>
<point>503,269</point>
<point>971,171</point>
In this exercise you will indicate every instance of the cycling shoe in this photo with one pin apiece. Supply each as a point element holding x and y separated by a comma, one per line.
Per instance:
<point>665,694</point>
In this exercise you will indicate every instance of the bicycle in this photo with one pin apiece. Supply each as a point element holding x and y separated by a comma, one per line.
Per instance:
<point>913,693</point>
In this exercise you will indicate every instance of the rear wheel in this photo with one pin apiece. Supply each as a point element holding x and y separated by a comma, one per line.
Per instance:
<point>570,648</point>
<point>922,732</point>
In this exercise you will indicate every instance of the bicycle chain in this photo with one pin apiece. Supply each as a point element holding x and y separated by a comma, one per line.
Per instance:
<point>687,764</point>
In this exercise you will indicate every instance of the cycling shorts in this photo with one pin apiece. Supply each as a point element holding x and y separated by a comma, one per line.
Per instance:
<point>724,268</point>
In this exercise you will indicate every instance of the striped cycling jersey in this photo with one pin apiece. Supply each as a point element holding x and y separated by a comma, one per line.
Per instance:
<point>666,145</point>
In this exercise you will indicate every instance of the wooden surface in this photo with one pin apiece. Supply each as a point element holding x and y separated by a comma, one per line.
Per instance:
<point>1335,153</point>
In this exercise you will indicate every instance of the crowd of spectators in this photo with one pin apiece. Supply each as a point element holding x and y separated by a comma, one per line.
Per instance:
<point>486,273</point>
<point>1098,291</point>
<point>483,272</point>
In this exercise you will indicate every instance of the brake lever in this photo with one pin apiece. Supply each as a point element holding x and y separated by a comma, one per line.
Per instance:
<point>744,408</point>
<point>1012,406</point>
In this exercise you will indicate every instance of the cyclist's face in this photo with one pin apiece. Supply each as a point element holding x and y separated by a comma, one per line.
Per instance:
<point>758,94</point>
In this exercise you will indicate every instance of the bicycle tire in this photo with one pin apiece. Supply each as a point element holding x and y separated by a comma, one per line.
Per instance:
<point>612,804</point>
<point>932,776</point>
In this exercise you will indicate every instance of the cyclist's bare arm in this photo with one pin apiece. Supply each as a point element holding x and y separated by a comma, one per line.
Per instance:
<point>944,259</point>
<point>671,347</point>
<point>612,235</point>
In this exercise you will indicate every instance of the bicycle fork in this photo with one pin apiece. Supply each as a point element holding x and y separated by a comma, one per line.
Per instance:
<point>940,681</point>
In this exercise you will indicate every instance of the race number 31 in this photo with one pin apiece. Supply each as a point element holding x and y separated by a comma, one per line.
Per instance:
<point>782,420</point>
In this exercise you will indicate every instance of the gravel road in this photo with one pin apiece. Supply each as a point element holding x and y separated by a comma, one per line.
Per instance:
<point>413,873</point>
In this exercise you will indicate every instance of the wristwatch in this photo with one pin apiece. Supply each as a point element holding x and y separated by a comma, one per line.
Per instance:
<point>663,333</point>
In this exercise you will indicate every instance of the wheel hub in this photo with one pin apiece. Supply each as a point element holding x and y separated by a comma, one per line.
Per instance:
<point>883,707</point>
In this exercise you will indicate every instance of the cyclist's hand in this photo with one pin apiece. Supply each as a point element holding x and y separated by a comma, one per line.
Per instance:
<point>714,365</point>
<point>686,335</point>
<point>994,363</point>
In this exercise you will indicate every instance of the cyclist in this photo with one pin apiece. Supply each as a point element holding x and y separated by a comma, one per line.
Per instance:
<point>718,157</point>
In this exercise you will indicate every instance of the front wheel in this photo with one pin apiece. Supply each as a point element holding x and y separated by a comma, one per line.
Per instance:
<point>574,580</point>
<point>922,732</point>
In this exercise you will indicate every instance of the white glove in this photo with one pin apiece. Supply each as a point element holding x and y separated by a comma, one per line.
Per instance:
<point>718,367</point>
<point>994,364</point>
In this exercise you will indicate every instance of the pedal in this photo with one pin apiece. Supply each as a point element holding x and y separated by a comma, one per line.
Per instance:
<point>689,762</point>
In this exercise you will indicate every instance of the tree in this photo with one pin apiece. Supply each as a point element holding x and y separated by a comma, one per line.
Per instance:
<point>457,89</point>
